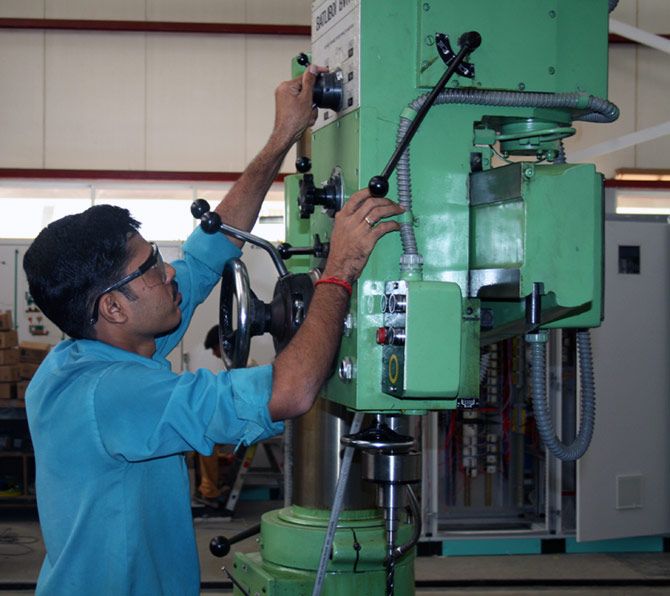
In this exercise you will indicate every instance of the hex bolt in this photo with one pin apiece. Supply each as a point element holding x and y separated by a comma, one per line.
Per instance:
<point>348,325</point>
<point>346,370</point>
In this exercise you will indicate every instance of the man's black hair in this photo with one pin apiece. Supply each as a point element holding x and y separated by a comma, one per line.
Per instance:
<point>73,260</point>
<point>212,339</point>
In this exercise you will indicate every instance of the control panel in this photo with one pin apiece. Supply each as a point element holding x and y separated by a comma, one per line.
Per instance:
<point>421,321</point>
<point>336,44</point>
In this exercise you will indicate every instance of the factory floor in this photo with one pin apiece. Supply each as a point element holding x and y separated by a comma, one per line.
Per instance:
<point>614,574</point>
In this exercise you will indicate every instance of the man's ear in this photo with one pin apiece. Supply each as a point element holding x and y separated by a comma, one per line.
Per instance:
<point>111,309</point>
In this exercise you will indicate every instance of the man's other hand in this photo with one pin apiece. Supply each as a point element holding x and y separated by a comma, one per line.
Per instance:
<point>358,227</point>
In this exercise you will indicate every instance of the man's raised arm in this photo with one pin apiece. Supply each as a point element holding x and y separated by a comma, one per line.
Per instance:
<point>301,368</point>
<point>294,112</point>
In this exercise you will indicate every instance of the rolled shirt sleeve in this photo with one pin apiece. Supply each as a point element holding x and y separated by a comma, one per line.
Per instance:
<point>163,413</point>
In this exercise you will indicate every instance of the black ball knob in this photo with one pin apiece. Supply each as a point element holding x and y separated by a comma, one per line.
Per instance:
<point>302,59</point>
<point>199,207</point>
<point>210,222</point>
<point>303,164</point>
<point>219,546</point>
<point>378,186</point>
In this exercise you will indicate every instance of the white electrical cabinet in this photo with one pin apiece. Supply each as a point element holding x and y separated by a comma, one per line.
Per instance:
<point>485,471</point>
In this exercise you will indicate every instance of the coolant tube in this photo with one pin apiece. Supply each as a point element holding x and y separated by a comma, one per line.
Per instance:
<point>401,551</point>
<point>539,397</point>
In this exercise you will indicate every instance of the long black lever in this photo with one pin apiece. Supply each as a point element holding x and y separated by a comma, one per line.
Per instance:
<point>379,185</point>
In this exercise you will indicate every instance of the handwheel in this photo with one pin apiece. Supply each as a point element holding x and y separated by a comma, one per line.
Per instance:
<point>234,315</point>
<point>243,316</point>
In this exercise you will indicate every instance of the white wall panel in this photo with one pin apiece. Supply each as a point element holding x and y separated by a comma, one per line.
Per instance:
<point>654,16</point>
<point>95,9</point>
<point>653,106</point>
<point>22,9</point>
<point>195,103</point>
<point>268,64</point>
<point>196,11</point>
<point>95,101</point>
<point>289,12</point>
<point>622,92</point>
<point>626,12</point>
<point>21,98</point>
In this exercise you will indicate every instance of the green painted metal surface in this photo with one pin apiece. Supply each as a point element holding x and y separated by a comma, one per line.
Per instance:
<point>550,233</point>
<point>528,45</point>
<point>409,369</point>
<point>290,548</point>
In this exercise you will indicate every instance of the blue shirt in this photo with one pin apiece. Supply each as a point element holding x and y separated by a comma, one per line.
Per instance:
<point>110,428</point>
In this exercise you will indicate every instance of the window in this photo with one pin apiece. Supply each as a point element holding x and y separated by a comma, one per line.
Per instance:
<point>163,209</point>
<point>642,202</point>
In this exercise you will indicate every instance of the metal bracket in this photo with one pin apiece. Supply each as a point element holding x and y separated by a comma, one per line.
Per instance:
<point>464,69</point>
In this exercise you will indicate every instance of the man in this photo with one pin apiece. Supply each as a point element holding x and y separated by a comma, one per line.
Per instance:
<point>110,421</point>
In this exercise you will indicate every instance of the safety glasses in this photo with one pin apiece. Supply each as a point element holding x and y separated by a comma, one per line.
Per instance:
<point>152,270</point>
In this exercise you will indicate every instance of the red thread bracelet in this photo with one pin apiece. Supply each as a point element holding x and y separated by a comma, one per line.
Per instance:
<point>337,281</point>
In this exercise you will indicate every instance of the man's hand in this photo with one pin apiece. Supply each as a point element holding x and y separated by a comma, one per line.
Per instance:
<point>294,108</point>
<point>294,112</point>
<point>357,230</point>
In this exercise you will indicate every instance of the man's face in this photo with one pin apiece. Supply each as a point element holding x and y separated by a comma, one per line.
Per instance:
<point>156,309</point>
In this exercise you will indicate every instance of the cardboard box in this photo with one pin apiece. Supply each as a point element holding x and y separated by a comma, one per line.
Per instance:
<point>27,370</point>
<point>9,356</point>
<point>21,387</point>
<point>6,320</point>
<point>8,339</point>
<point>9,374</point>
<point>7,390</point>
<point>33,351</point>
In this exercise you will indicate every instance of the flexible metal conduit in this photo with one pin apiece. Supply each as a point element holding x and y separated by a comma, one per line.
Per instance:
<point>593,109</point>
<point>545,425</point>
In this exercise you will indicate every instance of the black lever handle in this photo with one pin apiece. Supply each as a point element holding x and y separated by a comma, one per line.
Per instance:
<point>319,250</point>
<point>210,222</point>
<point>220,545</point>
<point>379,185</point>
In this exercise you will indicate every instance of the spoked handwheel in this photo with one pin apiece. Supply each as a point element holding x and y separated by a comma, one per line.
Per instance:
<point>242,315</point>
<point>234,312</point>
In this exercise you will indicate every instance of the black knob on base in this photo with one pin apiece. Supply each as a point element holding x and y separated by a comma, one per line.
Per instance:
<point>378,186</point>
<point>219,546</point>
